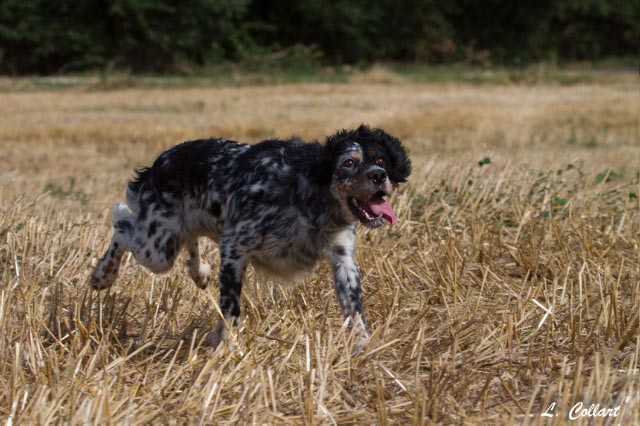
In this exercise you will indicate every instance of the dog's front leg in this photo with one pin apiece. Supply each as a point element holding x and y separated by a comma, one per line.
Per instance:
<point>232,268</point>
<point>347,285</point>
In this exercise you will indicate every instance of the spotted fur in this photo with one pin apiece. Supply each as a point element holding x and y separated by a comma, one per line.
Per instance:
<point>278,205</point>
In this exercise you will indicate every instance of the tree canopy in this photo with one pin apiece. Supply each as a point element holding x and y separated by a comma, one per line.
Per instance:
<point>41,36</point>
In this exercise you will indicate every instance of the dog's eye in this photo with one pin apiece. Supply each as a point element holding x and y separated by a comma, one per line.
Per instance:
<point>348,163</point>
<point>380,161</point>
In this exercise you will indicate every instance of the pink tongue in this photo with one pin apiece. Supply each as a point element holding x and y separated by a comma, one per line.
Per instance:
<point>380,207</point>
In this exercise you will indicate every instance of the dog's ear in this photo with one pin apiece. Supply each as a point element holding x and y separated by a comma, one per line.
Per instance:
<point>400,164</point>
<point>323,166</point>
<point>401,168</point>
<point>333,142</point>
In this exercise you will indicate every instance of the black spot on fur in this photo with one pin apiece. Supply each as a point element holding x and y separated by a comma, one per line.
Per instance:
<point>215,210</point>
<point>153,227</point>
<point>142,215</point>
<point>340,251</point>
<point>124,226</point>
<point>171,247</point>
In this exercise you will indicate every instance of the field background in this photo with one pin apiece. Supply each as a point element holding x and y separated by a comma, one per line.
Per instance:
<point>511,282</point>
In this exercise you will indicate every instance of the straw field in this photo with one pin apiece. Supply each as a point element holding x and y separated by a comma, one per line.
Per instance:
<point>509,291</point>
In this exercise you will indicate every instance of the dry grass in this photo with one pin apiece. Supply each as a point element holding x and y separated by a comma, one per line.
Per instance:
<point>505,288</point>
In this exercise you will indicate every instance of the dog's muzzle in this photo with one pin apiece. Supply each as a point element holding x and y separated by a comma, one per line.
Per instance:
<point>374,211</point>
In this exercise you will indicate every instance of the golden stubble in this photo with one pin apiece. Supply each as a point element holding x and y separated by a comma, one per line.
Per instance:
<point>503,289</point>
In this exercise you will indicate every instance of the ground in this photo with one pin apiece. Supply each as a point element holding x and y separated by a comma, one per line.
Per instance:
<point>509,289</point>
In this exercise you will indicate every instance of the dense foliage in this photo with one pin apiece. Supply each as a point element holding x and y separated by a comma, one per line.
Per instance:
<point>43,36</point>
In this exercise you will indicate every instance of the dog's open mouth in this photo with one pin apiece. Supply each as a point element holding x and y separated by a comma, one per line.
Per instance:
<point>373,212</point>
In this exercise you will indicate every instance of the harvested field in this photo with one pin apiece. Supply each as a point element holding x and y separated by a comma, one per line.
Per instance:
<point>510,287</point>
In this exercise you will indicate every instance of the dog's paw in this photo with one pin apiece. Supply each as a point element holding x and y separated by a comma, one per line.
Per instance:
<point>361,340</point>
<point>201,282</point>
<point>103,276</point>
<point>214,338</point>
<point>221,333</point>
<point>360,336</point>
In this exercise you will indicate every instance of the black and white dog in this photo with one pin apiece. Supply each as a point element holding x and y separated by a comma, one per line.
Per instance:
<point>279,205</point>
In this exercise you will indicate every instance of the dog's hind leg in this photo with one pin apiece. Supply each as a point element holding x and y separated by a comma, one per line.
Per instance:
<point>106,271</point>
<point>199,268</point>
<point>155,244</point>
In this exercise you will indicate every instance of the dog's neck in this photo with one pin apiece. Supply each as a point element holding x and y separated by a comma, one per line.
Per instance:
<point>336,221</point>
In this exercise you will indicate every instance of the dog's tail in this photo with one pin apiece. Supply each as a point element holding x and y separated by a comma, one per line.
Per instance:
<point>120,211</point>
<point>134,188</point>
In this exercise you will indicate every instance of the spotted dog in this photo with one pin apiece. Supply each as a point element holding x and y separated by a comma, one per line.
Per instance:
<point>278,205</point>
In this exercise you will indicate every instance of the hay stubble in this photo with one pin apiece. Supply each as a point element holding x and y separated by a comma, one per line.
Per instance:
<point>505,287</point>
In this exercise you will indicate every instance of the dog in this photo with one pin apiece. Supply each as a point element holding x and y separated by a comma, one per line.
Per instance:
<point>279,205</point>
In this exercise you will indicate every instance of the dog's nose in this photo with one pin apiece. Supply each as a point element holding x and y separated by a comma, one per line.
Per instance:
<point>378,176</point>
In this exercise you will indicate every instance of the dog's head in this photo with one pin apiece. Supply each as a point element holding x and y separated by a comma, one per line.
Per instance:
<point>366,166</point>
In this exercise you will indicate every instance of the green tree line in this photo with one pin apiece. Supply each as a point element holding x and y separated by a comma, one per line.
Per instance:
<point>44,36</point>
